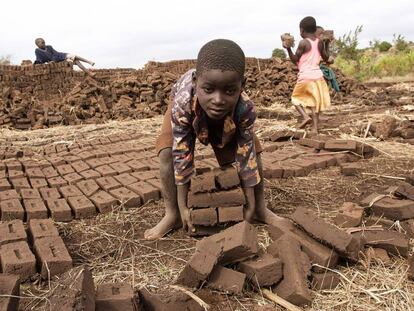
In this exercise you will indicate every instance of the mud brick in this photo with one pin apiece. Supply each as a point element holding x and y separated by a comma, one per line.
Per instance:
<point>408,226</point>
<point>17,258</point>
<point>65,169</point>
<point>82,207</point>
<point>262,271</point>
<point>168,299</point>
<point>73,178</point>
<point>90,174</point>
<point>30,194</point>
<point>4,184</point>
<point>392,241</point>
<point>405,190</point>
<point>38,183</point>
<point>56,182</point>
<point>12,231</point>
<point>20,183</point>
<point>115,297</point>
<point>3,175</point>
<point>88,187</point>
<point>350,169</point>
<point>217,199</point>
<point>94,162</point>
<point>49,193</point>
<point>9,292</point>
<point>330,160</point>
<point>296,266</point>
<point>61,147</point>
<point>230,214</point>
<point>152,164</point>
<point>307,164</point>
<point>13,174</point>
<point>204,216</point>
<point>52,255</point>
<point>127,197</point>
<point>121,158</point>
<point>34,173</point>
<point>319,162</point>
<point>238,242</point>
<point>350,215</point>
<point>50,172</point>
<point>11,209</point>
<point>227,178</point>
<point>145,175</point>
<point>377,255</point>
<point>156,183</point>
<point>103,201</point>
<point>13,165</point>
<point>146,191</point>
<point>371,199</point>
<point>393,208</point>
<point>120,167</point>
<point>125,179</point>
<point>325,280</point>
<point>327,233</point>
<point>59,209</point>
<point>71,158</point>
<point>291,170</point>
<point>70,191</point>
<point>203,183</point>
<point>137,165</point>
<point>56,160</point>
<point>340,145</point>
<point>86,155</point>
<point>108,183</point>
<point>106,170</point>
<point>35,209</point>
<point>312,142</point>
<point>226,280</point>
<point>108,160</point>
<point>40,228</point>
<point>80,166</point>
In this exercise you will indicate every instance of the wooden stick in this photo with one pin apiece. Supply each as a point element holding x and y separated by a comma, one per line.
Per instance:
<point>280,301</point>
<point>193,296</point>
<point>367,129</point>
<point>384,176</point>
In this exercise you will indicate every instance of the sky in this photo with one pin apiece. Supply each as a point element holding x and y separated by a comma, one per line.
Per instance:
<point>128,33</point>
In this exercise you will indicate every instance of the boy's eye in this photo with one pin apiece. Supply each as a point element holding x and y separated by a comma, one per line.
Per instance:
<point>230,92</point>
<point>208,89</point>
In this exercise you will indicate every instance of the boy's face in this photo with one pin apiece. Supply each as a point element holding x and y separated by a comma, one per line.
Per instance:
<point>41,44</point>
<point>218,91</point>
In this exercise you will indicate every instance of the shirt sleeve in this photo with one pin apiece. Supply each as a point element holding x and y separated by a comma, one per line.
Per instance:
<point>39,57</point>
<point>246,152</point>
<point>183,132</point>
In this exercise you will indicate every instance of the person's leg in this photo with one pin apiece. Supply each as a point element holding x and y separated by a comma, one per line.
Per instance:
<point>84,60</point>
<point>315,118</point>
<point>304,115</point>
<point>172,218</point>
<point>82,67</point>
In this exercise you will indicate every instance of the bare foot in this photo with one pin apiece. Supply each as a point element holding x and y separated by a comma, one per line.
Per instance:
<point>268,217</point>
<point>249,214</point>
<point>304,123</point>
<point>314,132</point>
<point>167,223</point>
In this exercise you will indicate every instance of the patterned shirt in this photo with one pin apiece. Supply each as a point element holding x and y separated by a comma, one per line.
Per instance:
<point>189,121</point>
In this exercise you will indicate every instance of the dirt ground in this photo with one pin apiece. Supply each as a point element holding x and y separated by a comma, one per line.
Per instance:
<point>113,244</point>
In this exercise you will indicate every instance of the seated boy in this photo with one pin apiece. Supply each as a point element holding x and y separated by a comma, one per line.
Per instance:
<point>209,104</point>
<point>46,53</point>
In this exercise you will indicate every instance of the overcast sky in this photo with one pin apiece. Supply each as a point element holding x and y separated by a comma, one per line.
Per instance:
<point>128,33</point>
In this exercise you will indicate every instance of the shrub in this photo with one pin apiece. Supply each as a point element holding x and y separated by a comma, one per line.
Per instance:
<point>279,53</point>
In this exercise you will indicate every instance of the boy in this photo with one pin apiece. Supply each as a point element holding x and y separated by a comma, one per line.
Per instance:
<point>209,104</point>
<point>46,53</point>
<point>311,90</point>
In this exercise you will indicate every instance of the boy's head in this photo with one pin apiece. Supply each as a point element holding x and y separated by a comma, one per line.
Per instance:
<point>219,77</point>
<point>40,43</point>
<point>319,30</point>
<point>307,26</point>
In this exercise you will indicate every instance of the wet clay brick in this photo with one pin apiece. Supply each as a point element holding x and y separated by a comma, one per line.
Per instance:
<point>312,142</point>
<point>70,191</point>
<point>394,209</point>
<point>74,291</point>
<point>325,280</point>
<point>226,280</point>
<point>57,182</point>
<point>38,183</point>
<point>9,195</point>
<point>168,299</point>
<point>82,207</point>
<point>350,169</point>
<point>49,193</point>
<point>90,174</point>
<point>59,209</point>
<point>106,170</point>
<point>204,216</point>
<point>203,183</point>
<point>146,175</point>
<point>137,165</point>
<point>40,228</point>
<point>292,170</point>
<point>4,184</point>
<point>108,183</point>
<point>30,194</point>
<point>80,166</point>
<point>88,187</point>
<point>52,255</point>
<point>377,255</point>
<point>73,178</point>
<point>17,258</point>
<point>216,199</point>
<point>65,169</point>
<point>273,170</point>
<point>12,231</point>
<point>94,162</point>
<point>227,178</point>
<point>296,267</point>
<point>405,190</point>
<point>103,201</point>
<point>35,172</point>
<point>318,228</point>
<point>9,292</point>
<point>115,297</point>
<point>306,164</point>
<point>238,242</point>
<point>230,214</point>
<point>35,209</point>
<point>156,183</point>
<point>11,209</point>
<point>120,167</point>
<point>350,215</point>
<point>146,191</point>
<point>125,179</point>
<point>408,226</point>
<point>20,183</point>
<point>15,174</point>
<point>340,145</point>
<point>50,172</point>
<point>128,198</point>
<point>262,271</point>
<point>392,241</point>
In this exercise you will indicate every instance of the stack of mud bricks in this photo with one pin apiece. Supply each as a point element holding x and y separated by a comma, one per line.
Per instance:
<point>79,181</point>
<point>311,154</point>
<point>24,254</point>
<point>215,200</point>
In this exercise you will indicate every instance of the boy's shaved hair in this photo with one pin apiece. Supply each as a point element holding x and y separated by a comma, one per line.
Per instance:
<point>308,24</point>
<point>221,54</point>
<point>38,40</point>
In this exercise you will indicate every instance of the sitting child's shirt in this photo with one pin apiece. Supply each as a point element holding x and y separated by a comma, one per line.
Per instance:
<point>49,54</point>
<point>189,121</point>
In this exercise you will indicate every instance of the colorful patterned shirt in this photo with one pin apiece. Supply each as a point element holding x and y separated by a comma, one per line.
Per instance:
<point>189,121</point>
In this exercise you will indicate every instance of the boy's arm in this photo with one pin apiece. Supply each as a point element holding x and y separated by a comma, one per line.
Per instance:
<point>302,47</point>
<point>324,49</point>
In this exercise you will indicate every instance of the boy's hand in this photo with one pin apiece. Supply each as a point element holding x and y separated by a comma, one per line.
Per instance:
<point>249,211</point>
<point>182,193</point>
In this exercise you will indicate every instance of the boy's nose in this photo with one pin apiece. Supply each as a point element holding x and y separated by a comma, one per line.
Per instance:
<point>219,99</point>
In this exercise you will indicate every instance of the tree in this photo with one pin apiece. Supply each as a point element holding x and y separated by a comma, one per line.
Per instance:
<point>383,46</point>
<point>280,53</point>
<point>347,45</point>
<point>400,43</point>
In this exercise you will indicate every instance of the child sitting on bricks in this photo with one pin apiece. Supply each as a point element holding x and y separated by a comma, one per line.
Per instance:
<point>208,103</point>
<point>311,90</point>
